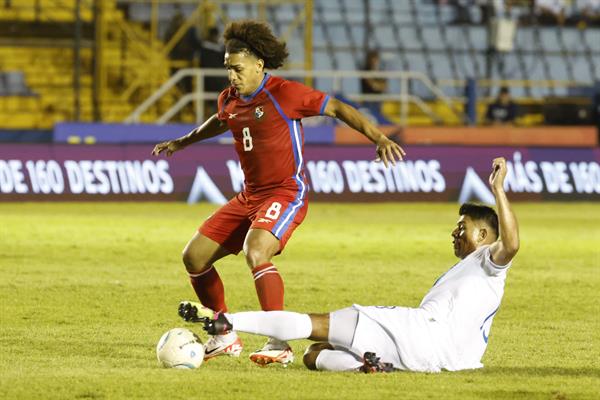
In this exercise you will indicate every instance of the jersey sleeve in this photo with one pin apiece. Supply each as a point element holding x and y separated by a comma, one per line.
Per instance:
<point>221,114</point>
<point>299,101</point>
<point>490,267</point>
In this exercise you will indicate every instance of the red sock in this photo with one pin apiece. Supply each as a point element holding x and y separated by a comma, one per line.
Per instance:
<point>269,287</point>
<point>209,289</point>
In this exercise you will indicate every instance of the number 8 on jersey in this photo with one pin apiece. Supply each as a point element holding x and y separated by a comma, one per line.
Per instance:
<point>247,139</point>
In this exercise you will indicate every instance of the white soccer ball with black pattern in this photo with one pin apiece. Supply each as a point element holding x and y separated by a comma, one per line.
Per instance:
<point>180,348</point>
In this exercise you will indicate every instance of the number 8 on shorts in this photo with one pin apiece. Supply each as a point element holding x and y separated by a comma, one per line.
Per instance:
<point>273,211</point>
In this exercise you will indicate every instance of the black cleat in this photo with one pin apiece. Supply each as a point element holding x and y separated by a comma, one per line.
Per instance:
<point>217,326</point>
<point>373,364</point>
<point>194,312</point>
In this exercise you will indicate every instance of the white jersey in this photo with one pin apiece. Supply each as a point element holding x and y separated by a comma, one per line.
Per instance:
<point>450,329</point>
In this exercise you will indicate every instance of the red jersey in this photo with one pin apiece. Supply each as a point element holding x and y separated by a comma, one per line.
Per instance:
<point>268,134</point>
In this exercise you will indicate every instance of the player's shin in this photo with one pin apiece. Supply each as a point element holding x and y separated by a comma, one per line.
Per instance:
<point>337,360</point>
<point>209,289</point>
<point>281,325</point>
<point>269,287</point>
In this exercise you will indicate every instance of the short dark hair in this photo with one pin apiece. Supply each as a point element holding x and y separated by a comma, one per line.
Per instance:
<point>479,212</point>
<point>256,38</point>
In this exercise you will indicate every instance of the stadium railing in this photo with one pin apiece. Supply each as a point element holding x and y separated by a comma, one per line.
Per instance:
<point>404,97</point>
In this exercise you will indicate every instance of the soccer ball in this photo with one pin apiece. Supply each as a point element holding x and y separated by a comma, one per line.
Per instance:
<point>180,348</point>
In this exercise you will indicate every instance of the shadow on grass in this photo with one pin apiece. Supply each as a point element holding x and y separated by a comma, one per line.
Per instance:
<point>543,371</point>
<point>529,395</point>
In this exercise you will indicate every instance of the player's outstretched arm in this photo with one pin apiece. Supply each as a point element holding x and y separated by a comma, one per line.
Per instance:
<point>503,250</point>
<point>212,127</point>
<point>387,151</point>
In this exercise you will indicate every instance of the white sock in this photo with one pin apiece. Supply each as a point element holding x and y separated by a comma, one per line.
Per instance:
<point>282,325</point>
<point>337,360</point>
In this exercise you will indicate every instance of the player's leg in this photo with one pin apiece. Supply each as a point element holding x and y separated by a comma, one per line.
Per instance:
<point>354,345</point>
<point>312,352</point>
<point>282,325</point>
<point>274,222</point>
<point>337,330</point>
<point>259,247</point>
<point>327,358</point>
<point>287,325</point>
<point>199,256</point>
<point>340,352</point>
<point>323,355</point>
<point>220,235</point>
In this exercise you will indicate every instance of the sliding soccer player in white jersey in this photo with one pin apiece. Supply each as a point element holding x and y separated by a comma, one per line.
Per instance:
<point>449,330</point>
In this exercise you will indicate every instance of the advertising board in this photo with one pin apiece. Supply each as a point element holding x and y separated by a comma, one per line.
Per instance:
<point>211,172</point>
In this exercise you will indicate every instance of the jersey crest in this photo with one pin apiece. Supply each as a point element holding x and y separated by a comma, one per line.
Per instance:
<point>259,112</point>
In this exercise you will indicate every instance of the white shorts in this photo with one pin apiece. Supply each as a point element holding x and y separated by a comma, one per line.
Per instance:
<point>355,332</point>
<point>406,337</point>
<point>416,336</point>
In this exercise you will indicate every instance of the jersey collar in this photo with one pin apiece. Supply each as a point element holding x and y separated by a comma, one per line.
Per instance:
<point>257,91</point>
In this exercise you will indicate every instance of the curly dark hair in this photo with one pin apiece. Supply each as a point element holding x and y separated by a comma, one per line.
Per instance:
<point>480,212</point>
<point>256,38</point>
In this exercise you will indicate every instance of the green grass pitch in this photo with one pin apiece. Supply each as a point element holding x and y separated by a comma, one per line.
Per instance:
<point>86,291</point>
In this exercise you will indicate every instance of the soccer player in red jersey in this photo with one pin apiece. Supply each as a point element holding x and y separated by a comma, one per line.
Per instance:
<point>264,114</point>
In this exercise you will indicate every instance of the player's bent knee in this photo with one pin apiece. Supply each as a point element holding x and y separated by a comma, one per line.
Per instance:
<point>259,247</point>
<point>310,359</point>
<point>312,352</point>
<point>256,256</point>
<point>193,263</point>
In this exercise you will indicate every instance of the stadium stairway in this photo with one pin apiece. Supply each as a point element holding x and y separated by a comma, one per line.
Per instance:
<point>133,66</point>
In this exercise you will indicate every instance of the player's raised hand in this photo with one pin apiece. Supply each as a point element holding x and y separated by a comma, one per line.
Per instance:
<point>168,147</point>
<point>498,174</point>
<point>388,151</point>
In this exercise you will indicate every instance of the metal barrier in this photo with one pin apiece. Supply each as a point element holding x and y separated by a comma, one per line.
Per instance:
<point>404,97</point>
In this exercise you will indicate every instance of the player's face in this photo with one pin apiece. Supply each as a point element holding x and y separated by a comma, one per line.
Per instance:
<point>465,237</point>
<point>245,72</point>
